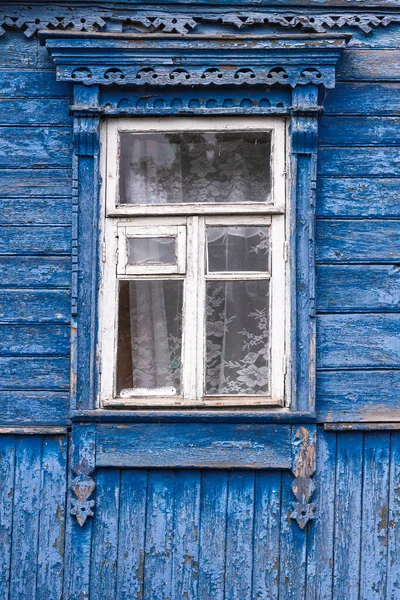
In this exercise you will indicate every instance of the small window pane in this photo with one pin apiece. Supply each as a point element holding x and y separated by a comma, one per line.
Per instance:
<point>151,251</point>
<point>150,335</point>
<point>237,338</point>
<point>238,248</point>
<point>196,167</point>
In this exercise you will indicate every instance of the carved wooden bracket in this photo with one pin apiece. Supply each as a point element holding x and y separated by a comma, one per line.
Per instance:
<point>303,468</point>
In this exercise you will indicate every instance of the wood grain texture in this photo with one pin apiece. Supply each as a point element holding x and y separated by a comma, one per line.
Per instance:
<point>369,65</point>
<point>32,84</point>
<point>36,183</point>
<point>371,241</point>
<point>359,162</point>
<point>35,211</point>
<point>34,340</point>
<point>359,131</point>
<point>35,240</point>
<point>195,445</point>
<point>34,373</point>
<point>31,147</point>
<point>358,288</point>
<point>35,271</point>
<point>35,112</point>
<point>7,476</point>
<point>33,407</point>
<point>35,306</point>
<point>354,98</point>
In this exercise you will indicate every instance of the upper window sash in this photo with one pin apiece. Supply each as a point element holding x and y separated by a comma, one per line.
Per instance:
<point>116,127</point>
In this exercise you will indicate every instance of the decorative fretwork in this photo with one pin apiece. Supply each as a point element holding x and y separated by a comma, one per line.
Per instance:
<point>33,19</point>
<point>303,486</point>
<point>82,487</point>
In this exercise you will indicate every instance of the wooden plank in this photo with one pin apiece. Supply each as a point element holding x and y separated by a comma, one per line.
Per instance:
<point>52,518</point>
<point>293,558</point>
<point>35,306</point>
<point>347,545</point>
<point>30,408</point>
<point>321,532</point>
<point>369,65</point>
<point>103,579</point>
<point>213,519</point>
<point>35,271</point>
<point>26,518</point>
<point>36,183</point>
<point>358,288</point>
<point>358,396</point>
<point>370,241</point>
<point>359,131</point>
<point>359,162</point>
<point>195,445</point>
<point>159,536</point>
<point>34,339</point>
<point>239,540</point>
<point>35,240</point>
<point>357,197</point>
<point>375,512</point>
<point>18,51</point>
<point>35,112</point>
<point>393,572</point>
<point>32,84</point>
<point>7,474</point>
<point>35,211</point>
<point>358,341</point>
<point>354,98</point>
<point>267,511</point>
<point>31,147</point>
<point>19,373</point>
<point>185,557</point>
<point>131,532</point>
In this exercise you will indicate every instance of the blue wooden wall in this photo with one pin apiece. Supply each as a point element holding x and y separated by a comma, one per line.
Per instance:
<point>191,534</point>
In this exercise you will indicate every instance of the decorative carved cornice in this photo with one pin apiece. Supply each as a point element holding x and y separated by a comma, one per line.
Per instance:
<point>71,18</point>
<point>107,59</point>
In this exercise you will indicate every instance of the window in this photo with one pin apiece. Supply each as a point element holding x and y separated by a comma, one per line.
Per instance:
<point>194,307</point>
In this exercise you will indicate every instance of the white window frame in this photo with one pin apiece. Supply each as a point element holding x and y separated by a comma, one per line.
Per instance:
<point>189,225</point>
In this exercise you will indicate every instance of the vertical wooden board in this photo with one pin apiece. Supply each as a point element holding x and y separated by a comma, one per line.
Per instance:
<point>26,518</point>
<point>52,518</point>
<point>239,537</point>
<point>132,519</point>
<point>393,570</point>
<point>7,474</point>
<point>213,506</point>
<point>293,550</point>
<point>374,540</point>
<point>347,545</point>
<point>321,533</point>
<point>267,513</point>
<point>159,535</point>
<point>185,558</point>
<point>103,576</point>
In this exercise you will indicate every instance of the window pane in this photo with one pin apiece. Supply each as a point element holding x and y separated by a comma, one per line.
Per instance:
<point>238,248</point>
<point>150,335</point>
<point>170,168</point>
<point>151,251</point>
<point>237,338</point>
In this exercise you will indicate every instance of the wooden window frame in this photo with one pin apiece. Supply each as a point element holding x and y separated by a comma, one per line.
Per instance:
<point>160,220</point>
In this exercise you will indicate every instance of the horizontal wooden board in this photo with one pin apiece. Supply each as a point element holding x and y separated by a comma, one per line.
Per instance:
<point>351,98</point>
<point>36,112</point>
<point>36,183</point>
<point>35,211</point>
<point>33,84</point>
<point>369,65</point>
<point>35,271</point>
<point>17,50</point>
<point>35,239</point>
<point>194,445</point>
<point>357,197</point>
<point>358,288</point>
<point>369,396</point>
<point>359,131</point>
<point>359,162</point>
<point>358,341</point>
<point>31,147</point>
<point>34,339</point>
<point>33,408</point>
<point>35,306</point>
<point>28,373</point>
<point>357,241</point>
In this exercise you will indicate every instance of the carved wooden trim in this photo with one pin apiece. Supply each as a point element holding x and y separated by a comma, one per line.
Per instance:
<point>74,18</point>
<point>303,468</point>
<point>82,487</point>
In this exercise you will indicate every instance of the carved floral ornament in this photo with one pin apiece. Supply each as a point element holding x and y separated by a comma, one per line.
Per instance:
<point>70,18</point>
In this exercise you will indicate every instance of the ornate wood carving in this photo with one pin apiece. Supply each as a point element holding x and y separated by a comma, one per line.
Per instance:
<point>74,18</point>
<point>303,468</point>
<point>82,487</point>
